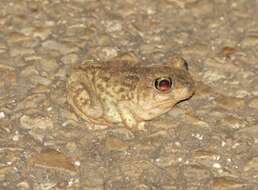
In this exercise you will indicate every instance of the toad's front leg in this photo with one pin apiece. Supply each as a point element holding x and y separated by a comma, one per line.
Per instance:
<point>129,118</point>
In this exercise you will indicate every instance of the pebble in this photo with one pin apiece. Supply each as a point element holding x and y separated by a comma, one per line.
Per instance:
<point>52,159</point>
<point>8,76</point>
<point>196,173</point>
<point>60,47</point>
<point>224,183</point>
<point>197,49</point>
<point>213,76</point>
<point>103,40</point>
<point>114,144</point>
<point>40,89</point>
<point>249,41</point>
<point>2,115</point>
<point>103,53</point>
<point>48,65</point>
<point>204,154</point>
<point>70,59</point>
<point>233,122</point>
<point>251,164</point>
<point>230,102</point>
<point>41,32</point>
<point>254,103</point>
<point>16,37</point>
<point>113,26</point>
<point>167,160</point>
<point>24,185</point>
<point>4,171</point>
<point>92,175</point>
<point>251,131</point>
<point>3,47</point>
<point>28,71</point>
<point>19,51</point>
<point>228,51</point>
<point>28,122</point>
<point>71,147</point>
<point>122,133</point>
<point>200,8</point>
<point>36,79</point>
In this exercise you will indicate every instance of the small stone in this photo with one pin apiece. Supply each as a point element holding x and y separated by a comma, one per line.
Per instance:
<point>60,47</point>
<point>38,134</point>
<point>48,65</point>
<point>195,49</point>
<point>28,122</point>
<point>252,164</point>
<point>41,32</point>
<point>18,51</point>
<point>3,47</point>
<point>216,165</point>
<point>2,115</point>
<point>196,173</point>
<point>122,133</point>
<point>24,185</point>
<point>103,40</point>
<point>38,89</point>
<point>254,103</point>
<point>227,51</point>
<point>250,131</point>
<point>71,147</point>
<point>114,144</point>
<point>70,59</point>
<point>103,53</point>
<point>61,73</point>
<point>52,159</point>
<point>221,183</point>
<point>128,56</point>
<point>7,76</point>
<point>15,37</point>
<point>109,52</point>
<point>92,175</point>
<point>33,101</point>
<point>200,8</point>
<point>233,122</point>
<point>28,71</point>
<point>113,26</point>
<point>230,102</point>
<point>166,160</point>
<point>37,79</point>
<point>249,41</point>
<point>134,169</point>
<point>213,75</point>
<point>242,93</point>
<point>204,154</point>
<point>5,170</point>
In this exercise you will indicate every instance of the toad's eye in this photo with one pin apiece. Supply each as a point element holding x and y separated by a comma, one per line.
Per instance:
<point>163,84</point>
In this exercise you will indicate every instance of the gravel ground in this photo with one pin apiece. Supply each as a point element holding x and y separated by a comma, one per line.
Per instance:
<point>207,143</point>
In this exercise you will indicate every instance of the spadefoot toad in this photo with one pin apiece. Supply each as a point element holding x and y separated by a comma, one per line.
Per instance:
<point>123,93</point>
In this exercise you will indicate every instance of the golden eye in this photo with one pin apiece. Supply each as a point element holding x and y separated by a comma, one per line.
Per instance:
<point>163,84</point>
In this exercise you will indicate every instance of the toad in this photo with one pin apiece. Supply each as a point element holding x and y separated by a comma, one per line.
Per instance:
<point>120,93</point>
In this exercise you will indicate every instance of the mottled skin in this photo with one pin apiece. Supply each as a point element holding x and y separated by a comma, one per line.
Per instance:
<point>120,92</point>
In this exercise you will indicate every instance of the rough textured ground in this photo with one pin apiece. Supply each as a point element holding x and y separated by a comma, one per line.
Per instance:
<point>209,142</point>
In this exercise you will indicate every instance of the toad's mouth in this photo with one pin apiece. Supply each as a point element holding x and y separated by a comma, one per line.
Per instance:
<point>168,103</point>
<point>164,104</point>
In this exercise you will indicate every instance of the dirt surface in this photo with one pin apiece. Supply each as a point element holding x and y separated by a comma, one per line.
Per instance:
<point>209,142</point>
